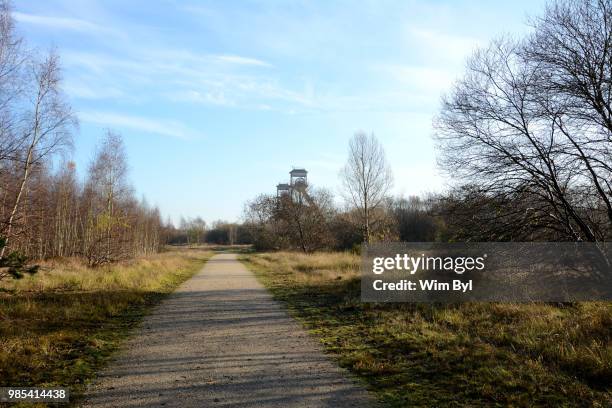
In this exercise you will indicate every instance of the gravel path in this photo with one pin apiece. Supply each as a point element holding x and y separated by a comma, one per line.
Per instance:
<point>221,341</point>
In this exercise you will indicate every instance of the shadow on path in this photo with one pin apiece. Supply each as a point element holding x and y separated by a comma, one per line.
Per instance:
<point>221,341</point>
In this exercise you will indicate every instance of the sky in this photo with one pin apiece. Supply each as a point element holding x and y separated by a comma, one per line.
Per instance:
<point>218,100</point>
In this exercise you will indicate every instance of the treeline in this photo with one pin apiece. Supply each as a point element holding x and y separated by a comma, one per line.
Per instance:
<point>45,211</point>
<point>99,219</point>
<point>194,231</point>
<point>319,224</point>
<point>525,135</point>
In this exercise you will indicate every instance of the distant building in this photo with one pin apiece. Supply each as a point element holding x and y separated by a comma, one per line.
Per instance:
<point>282,188</point>
<point>296,188</point>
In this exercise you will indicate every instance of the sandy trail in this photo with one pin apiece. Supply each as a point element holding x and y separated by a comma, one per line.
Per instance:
<point>221,341</point>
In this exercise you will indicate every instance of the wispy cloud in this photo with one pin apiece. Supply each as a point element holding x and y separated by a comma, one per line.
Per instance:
<point>235,80</point>
<point>84,90</point>
<point>181,76</point>
<point>183,81</point>
<point>63,23</point>
<point>158,126</point>
<point>217,98</point>
<point>236,59</point>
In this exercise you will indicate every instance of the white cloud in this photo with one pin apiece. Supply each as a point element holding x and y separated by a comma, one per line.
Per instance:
<point>236,59</point>
<point>82,90</point>
<point>183,76</point>
<point>209,98</point>
<point>237,91</point>
<point>161,127</point>
<point>65,23</point>
<point>182,80</point>
<point>98,63</point>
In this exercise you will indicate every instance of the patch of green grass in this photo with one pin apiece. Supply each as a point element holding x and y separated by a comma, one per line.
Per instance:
<point>58,327</point>
<point>457,355</point>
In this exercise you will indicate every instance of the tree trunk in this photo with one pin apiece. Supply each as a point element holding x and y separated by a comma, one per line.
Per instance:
<point>24,179</point>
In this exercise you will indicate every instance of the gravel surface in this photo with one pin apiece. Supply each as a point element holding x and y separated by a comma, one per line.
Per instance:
<point>221,341</point>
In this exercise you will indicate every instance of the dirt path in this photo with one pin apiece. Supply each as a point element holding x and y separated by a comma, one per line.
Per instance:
<point>221,341</point>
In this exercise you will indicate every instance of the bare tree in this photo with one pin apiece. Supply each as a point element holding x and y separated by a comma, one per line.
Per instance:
<point>572,50</point>
<point>304,223</point>
<point>11,73</point>
<point>109,191</point>
<point>285,222</point>
<point>65,198</point>
<point>197,230</point>
<point>367,178</point>
<point>12,61</point>
<point>529,122</point>
<point>44,127</point>
<point>259,221</point>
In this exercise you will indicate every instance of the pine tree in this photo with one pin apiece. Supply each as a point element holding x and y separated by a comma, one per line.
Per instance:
<point>14,264</point>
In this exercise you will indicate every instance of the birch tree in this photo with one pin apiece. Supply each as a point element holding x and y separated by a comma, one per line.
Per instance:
<point>367,179</point>
<point>108,188</point>
<point>44,127</point>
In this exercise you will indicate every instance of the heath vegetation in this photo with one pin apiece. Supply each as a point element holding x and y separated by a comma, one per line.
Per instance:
<point>57,327</point>
<point>475,354</point>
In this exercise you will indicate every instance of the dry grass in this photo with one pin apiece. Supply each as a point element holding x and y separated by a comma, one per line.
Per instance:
<point>59,326</point>
<point>311,268</point>
<point>148,273</point>
<point>479,354</point>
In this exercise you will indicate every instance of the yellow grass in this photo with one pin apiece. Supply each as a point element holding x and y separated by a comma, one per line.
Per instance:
<point>146,273</point>
<point>477,354</point>
<point>59,326</point>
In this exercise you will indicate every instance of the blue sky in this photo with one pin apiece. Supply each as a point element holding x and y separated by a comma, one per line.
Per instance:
<point>217,100</point>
